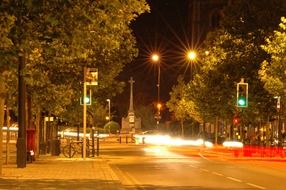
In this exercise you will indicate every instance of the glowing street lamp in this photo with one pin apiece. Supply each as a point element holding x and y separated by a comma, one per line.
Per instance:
<point>108,118</point>
<point>191,55</point>
<point>155,58</point>
<point>159,106</point>
<point>108,100</point>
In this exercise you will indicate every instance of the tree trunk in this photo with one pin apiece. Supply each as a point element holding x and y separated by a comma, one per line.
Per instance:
<point>216,129</point>
<point>21,141</point>
<point>182,127</point>
<point>2,99</point>
<point>37,133</point>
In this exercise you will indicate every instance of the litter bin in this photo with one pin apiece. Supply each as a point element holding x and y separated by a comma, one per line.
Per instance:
<point>43,148</point>
<point>55,147</point>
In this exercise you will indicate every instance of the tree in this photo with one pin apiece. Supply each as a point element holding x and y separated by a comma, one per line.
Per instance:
<point>234,52</point>
<point>272,71</point>
<point>58,44</point>
<point>6,22</point>
<point>238,43</point>
<point>55,45</point>
<point>182,107</point>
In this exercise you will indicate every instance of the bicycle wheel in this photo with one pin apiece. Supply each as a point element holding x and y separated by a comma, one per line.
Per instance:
<point>68,151</point>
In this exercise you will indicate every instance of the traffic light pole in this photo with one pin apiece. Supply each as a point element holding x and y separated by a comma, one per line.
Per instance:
<point>279,129</point>
<point>90,78</point>
<point>241,102</point>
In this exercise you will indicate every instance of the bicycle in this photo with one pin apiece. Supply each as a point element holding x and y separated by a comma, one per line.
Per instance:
<point>75,148</point>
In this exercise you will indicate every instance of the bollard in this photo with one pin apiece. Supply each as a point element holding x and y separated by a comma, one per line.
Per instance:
<point>126,140</point>
<point>70,150</point>
<point>97,146</point>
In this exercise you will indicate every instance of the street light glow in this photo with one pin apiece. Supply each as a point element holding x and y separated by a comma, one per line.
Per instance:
<point>191,55</point>
<point>159,106</point>
<point>155,57</point>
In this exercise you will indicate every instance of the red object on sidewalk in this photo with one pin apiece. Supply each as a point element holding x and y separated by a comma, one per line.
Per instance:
<point>30,139</point>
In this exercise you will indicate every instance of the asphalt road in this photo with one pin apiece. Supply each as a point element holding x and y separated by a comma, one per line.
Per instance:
<point>150,167</point>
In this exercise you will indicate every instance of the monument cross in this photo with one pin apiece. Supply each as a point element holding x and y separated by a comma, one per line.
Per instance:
<point>131,122</point>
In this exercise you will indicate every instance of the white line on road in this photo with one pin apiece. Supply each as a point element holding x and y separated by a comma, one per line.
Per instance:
<point>193,166</point>
<point>257,186</point>
<point>219,174</point>
<point>203,156</point>
<point>234,179</point>
<point>205,170</point>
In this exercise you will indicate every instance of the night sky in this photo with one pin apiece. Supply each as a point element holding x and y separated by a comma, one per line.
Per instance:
<point>164,30</point>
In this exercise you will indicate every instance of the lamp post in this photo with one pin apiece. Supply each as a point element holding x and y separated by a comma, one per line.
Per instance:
<point>156,59</point>
<point>108,100</point>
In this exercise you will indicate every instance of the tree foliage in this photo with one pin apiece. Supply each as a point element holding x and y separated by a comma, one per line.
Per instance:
<point>56,45</point>
<point>273,71</point>
<point>234,52</point>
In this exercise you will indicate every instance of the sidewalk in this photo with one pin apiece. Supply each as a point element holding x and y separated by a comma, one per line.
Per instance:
<point>56,172</point>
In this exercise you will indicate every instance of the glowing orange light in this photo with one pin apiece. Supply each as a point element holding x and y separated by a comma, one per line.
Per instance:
<point>191,55</point>
<point>155,57</point>
<point>159,106</point>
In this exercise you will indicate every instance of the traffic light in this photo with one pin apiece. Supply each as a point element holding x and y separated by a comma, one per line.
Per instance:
<point>87,99</point>
<point>242,95</point>
<point>235,120</point>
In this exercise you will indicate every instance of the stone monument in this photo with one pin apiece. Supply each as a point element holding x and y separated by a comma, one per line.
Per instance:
<point>130,124</point>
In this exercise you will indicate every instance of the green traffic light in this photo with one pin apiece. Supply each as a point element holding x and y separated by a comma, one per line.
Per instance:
<point>87,100</point>
<point>241,101</point>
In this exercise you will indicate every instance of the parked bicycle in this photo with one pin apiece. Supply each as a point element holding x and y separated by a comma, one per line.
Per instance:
<point>75,148</point>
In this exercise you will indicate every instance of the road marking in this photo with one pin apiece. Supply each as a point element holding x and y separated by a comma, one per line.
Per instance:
<point>193,166</point>
<point>205,170</point>
<point>203,156</point>
<point>219,174</point>
<point>257,186</point>
<point>234,179</point>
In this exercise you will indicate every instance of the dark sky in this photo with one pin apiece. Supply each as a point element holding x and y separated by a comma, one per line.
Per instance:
<point>164,30</point>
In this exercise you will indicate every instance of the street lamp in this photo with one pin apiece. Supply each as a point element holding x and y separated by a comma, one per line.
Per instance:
<point>191,57</point>
<point>156,59</point>
<point>108,100</point>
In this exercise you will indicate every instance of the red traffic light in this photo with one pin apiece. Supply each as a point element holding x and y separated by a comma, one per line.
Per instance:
<point>235,120</point>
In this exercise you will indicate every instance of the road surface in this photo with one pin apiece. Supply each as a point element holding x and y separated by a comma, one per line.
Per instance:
<point>147,167</point>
